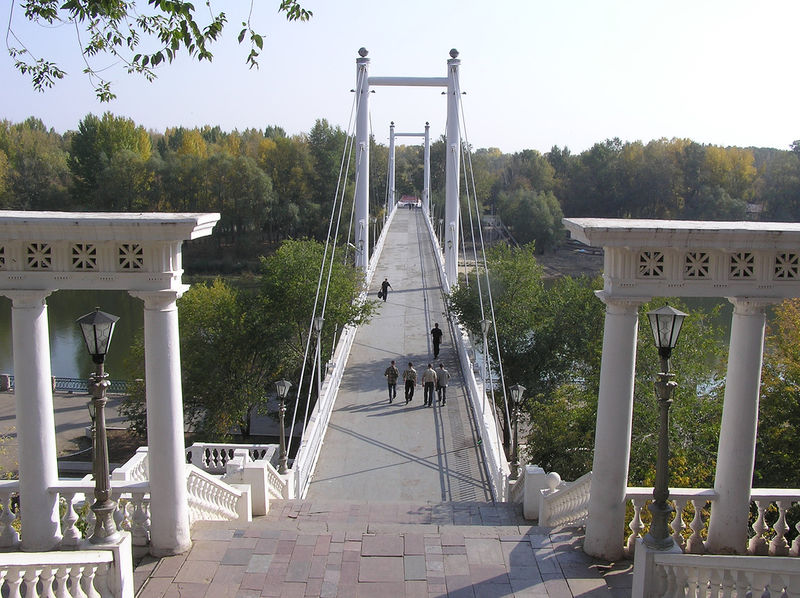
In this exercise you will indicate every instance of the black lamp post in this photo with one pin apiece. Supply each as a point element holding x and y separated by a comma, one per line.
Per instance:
<point>516,400</point>
<point>665,323</point>
<point>97,328</point>
<point>283,389</point>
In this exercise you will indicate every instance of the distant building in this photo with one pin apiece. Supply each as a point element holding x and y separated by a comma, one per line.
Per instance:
<point>405,200</point>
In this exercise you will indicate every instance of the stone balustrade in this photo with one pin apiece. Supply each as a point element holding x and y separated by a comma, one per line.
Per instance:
<point>675,574</point>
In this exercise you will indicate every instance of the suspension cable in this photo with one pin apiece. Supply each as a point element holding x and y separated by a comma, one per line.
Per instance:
<point>319,284</point>
<point>463,127</point>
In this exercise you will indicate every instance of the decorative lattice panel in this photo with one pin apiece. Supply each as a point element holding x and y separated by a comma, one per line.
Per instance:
<point>651,264</point>
<point>697,264</point>
<point>742,265</point>
<point>131,257</point>
<point>39,256</point>
<point>787,266</point>
<point>84,256</point>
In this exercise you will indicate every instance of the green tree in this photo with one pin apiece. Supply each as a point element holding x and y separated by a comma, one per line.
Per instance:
<point>532,216</point>
<point>141,37</point>
<point>36,175</point>
<point>289,280</point>
<point>778,443</point>
<point>93,147</point>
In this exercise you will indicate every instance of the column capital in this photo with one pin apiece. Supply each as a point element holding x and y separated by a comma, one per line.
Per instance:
<point>620,305</point>
<point>160,300</point>
<point>23,299</point>
<point>749,306</point>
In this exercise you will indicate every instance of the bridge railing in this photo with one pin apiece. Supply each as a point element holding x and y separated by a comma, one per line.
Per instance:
<point>490,437</point>
<point>305,460</point>
<point>61,384</point>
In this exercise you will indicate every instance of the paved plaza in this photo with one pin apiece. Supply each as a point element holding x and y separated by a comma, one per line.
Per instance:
<point>383,550</point>
<point>376,451</point>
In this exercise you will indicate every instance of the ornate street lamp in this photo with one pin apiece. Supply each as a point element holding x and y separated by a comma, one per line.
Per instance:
<point>97,328</point>
<point>516,400</point>
<point>665,323</point>
<point>282,387</point>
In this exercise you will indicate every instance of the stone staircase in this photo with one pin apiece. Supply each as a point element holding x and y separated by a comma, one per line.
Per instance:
<point>347,549</point>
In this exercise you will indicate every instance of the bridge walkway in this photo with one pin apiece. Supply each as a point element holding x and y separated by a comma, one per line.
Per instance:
<point>377,451</point>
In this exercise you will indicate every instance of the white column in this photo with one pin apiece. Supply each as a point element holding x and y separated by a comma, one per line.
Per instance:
<point>362,159</point>
<point>36,432</point>
<point>452,165</point>
<point>604,529</point>
<point>426,183</point>
<point>169,507</point>
<point>391,168</point>
<point>727,530</point>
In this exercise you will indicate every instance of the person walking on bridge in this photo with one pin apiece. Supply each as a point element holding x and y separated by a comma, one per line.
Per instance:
<point>436,335</point>
<point>392,374</point>
<point>410,377</point>
<point>429,383</point>
<point>442,377</point>
<point>385,286</point>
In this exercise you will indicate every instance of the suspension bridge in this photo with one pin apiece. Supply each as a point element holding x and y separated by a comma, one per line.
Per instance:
<point>394,499</point>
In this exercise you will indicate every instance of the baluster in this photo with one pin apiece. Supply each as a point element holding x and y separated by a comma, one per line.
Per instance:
<point>121,515</point>
<point>670,585</point>
<point>758,544</point>
<point>728,584</point>
<point>61,582</point>
<point>795,551</point>
<point>695,545</point>
<point>682,580</point>
<point>46,578</point>
<point>30,579</point>
<point>678,524</point>
<point>14,579</point>
<point>636,526</point>
<point>75,575</point>
<point>140,529</point>
<point>91,520</point>
<point>715,581</point>
<point>89,572</point>
<point>71,535</point>
<point>779,546</point>
<point>9,537</point>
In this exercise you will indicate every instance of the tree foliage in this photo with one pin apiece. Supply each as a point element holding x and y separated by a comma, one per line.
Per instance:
<point>236,343</point>
<point>141,37</point>
<point>778,443</point>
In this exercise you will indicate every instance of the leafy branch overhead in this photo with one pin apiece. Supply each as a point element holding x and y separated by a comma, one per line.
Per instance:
<point>139,39</point>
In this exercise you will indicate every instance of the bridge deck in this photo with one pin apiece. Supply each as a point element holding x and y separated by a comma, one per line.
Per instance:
<point>376,451</point>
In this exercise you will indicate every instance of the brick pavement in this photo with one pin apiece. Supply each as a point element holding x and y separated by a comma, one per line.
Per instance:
<point>385,550</point>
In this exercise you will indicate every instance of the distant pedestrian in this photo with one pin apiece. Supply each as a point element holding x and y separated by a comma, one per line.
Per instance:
<point>410,377</point>
<point>428,384</point>
<point>442,378</point>
<point>392,374</point>
<point>436,335</point>
<point>385,286</point>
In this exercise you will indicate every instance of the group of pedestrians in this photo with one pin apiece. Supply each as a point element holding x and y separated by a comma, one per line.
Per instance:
<point>431,380</point>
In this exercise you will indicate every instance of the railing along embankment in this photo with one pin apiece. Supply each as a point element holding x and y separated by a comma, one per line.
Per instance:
<point>489,432</point>
<point>307,455</point>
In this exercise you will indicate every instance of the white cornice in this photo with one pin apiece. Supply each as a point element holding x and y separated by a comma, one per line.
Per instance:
<point>104,226</point>
<point>684,234</point>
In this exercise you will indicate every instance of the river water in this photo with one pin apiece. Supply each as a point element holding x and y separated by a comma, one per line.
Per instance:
<point>68,356</point>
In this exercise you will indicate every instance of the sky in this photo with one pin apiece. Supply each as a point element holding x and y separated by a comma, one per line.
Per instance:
<point>536,74</point>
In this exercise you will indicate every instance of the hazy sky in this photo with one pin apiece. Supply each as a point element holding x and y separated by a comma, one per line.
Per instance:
<point>537,74</point>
